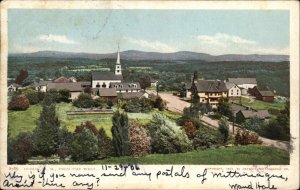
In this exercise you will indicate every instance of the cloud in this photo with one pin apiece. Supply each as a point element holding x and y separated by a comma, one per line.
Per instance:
<point>221,43</point>
<point>56,38</point>
<point>152,46</point>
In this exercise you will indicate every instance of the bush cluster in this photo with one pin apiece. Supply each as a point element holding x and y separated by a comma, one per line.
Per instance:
<point>85,101</point>
<point>167,137</point>
<point>139,141</point>
<point>244,137</point>
<point>138,105</point>
<point>19,103</point>
<point>206,137</point>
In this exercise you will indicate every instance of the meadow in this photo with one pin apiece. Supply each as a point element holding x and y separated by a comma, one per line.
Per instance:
<point>261,105</point>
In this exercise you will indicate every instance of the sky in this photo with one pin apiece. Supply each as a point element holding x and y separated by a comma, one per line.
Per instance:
<point>214,32</point>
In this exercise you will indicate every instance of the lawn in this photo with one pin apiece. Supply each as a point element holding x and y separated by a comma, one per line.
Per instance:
<point>22,121</point>
<point>237,155</point>
<point>260,105</point>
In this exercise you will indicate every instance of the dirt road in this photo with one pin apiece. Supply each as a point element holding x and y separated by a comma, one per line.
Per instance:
<point>177,105</point>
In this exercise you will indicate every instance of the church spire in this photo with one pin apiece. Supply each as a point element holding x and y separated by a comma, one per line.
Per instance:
<point>118,56</point>
<point>118,69</point>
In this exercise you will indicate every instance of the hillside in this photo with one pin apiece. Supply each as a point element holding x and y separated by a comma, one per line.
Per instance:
<point>134,55</point>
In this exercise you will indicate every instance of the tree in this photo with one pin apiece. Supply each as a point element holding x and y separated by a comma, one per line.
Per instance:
<point>64,95</point>
<point>274,130</point>
<point>206,137</point>
<point>159,103</point>
<point>224,108</point>
<point>65,138</point>
<point>145,81</point>
<point>84,146</point>
<point>104,144</point>
<point>45,138</point>
<point>254,124</point>
<point>110,104</point>
<point>284,117</point>
<point>52,96</point>
<point>244,137</point>
<point>19,103</point>
<point>87,90</point>
<point>139,141</point>
<point>84,101</point>
<point>224,129</point>
<point>23,147</point>
<point>23,74</point>
<point>119,132</point>
<point>32,96</point>
<point>189,129</point>
<point>87,125</point>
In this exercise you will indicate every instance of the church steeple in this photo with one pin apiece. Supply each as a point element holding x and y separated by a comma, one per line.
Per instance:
<point>118,69</point>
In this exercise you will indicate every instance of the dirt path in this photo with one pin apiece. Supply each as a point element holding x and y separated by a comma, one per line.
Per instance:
<point>177,105</point>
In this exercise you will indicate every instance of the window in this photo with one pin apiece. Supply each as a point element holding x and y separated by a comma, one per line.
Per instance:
<point>97,85</point>
<point>103,85</point>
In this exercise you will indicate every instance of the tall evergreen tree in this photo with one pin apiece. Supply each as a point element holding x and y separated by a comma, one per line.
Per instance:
<point>120,133</point>
<point>46,134</point>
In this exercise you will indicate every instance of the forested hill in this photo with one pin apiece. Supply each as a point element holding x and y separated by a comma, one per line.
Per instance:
<point>151,56</point>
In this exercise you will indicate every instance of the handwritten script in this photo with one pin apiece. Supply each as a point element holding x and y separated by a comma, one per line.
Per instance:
<point>62,179</point>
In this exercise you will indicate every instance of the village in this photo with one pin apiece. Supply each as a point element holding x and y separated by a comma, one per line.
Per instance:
<point>236,104</point>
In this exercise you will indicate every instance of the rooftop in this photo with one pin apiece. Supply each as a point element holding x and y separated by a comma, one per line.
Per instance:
<point>239,81</point>
<point>106,76</point>
<point>210,86</point>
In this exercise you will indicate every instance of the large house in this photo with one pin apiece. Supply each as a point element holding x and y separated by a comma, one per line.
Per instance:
<point>244,83</point>
<point>263,95</point>
<point>233,90</point>
<point>209,91</point>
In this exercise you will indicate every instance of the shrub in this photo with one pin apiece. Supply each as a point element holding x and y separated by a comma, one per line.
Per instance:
<point>224,130</point>
<point>189,129</point>
<point>84,146</point>
<point>45,135</point>
<point>244,137</point>
<point>41,96</point>
<point>11,156</point>
<point>190,114</point>
<point>224,108</point>
<point>104,144</point>
<point>18,103</point>
<point>23,147</point>
<point>166,137</point>
<point>206,137</point>
<point>146,104</point>
<point>110,104</point>
<point>32,96</point>
<point>133,106</point>
<point>87,125</point>
<point>119,132</point>
<point>84,101</point>
<point>139,141</point>
<point>64,95</point>
<point>160,104</point>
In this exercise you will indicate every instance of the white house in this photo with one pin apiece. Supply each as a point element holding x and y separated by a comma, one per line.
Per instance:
<point>154,82</point>
<point>14,87</point>
<point>233,90</point>
<point>123,87</point>
<point>244,83</point>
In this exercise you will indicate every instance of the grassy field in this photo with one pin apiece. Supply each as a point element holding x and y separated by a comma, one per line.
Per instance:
<point>21,121</point>
<point>237,155</point>
<point>259,105</point>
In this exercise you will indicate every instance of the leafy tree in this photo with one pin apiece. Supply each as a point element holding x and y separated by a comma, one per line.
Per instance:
<point>166,137</point>
<point>110,104</point>
<point>23,147</point>
<point>145,81</point>
<point>189,129</point>
<point>139,141</point>
<point>84,146</point>
<point>119,132</point>
<point>84,101</point>
<point>284,118</point>
<point>274,130</point>
<point>46,134</point>
<point>11,156</point>
<point>254,124</point>
<point>19,103</point>
<point>224,108</point>
<point>104,144</point>
<point>32,96</point>
<point>52,96</point>
<point>224,129</point>
<point>87,90</point>
<point>159,103</point>
<point>23,74</point>
<point>64,95</point>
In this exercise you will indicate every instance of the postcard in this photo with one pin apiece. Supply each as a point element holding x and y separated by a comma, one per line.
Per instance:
<point>149,95</point>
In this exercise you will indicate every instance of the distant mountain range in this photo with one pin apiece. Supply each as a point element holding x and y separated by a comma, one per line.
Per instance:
<point>151,56</point>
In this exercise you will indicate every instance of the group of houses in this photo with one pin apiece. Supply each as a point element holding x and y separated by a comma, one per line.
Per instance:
<point>210,91</point>
<point>107,85</point>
